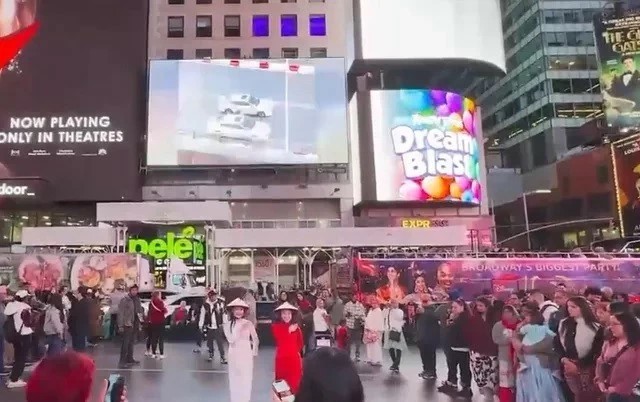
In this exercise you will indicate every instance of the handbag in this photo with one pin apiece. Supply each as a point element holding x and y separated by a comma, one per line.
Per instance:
<point>394,336</point>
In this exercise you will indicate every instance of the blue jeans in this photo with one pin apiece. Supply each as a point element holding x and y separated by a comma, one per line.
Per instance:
<point>56,345</point>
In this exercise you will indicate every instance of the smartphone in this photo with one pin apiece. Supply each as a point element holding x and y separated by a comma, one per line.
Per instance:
<point>281,387</point>
<point>115,388</point>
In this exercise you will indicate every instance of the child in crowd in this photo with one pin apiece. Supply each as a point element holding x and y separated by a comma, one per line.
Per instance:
<point>342,335</point>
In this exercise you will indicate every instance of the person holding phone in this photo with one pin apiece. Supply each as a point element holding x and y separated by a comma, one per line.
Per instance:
<point>289,343</point>
<point>243,347</point>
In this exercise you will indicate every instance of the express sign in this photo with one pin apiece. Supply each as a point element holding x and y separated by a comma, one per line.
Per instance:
<point>414,223</point>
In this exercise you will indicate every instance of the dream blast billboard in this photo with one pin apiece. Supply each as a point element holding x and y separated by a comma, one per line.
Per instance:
<point>247,112</point>
<point>72,90</point>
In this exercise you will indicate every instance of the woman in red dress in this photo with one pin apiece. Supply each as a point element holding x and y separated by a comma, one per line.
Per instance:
<point>289,343</point>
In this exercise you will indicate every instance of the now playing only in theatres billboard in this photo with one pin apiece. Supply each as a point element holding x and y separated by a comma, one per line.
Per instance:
<point>72,90</point>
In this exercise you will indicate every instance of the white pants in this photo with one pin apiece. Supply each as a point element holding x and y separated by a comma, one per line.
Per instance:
<point>374,352</point>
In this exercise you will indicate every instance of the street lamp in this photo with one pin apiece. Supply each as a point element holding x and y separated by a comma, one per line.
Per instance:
<point>526,213</point>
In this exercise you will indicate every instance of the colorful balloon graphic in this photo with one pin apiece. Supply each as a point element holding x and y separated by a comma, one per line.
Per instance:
<point>456,114</point>
<point>410,191</point>
<point>436,187</point>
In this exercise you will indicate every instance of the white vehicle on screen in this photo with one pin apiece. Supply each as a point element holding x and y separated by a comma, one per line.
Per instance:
<point>246,104</point>
<point>239,128</point>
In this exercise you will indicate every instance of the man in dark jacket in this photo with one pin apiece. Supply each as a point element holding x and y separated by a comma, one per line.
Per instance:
<point>428,338</point>
<point>130,314</point>
<point>79,320</point>
<point>211,320</point>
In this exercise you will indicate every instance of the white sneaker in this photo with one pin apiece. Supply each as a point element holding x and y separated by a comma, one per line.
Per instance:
<point>16,384</point>
<point>160,357</point>
<point>148,353</point>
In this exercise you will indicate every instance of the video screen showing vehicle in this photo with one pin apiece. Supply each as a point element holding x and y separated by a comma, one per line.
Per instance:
<point>247,112</point>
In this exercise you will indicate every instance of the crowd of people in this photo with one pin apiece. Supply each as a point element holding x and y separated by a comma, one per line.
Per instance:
<point>530,347</point>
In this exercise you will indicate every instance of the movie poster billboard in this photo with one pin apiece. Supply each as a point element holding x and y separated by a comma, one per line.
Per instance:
<point>72,95</point>
<point>619,60</point>
<point>420,280</point>
<point>49,271</point>
<point>426,147</point>
<point>626,161</point>
<point>247,112</point>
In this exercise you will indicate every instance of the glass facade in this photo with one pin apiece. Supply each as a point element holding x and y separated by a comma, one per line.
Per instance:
<point>13,220</point>
<point>551,87</point>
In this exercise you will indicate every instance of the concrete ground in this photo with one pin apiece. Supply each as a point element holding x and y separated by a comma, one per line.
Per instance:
<point>187,377</point>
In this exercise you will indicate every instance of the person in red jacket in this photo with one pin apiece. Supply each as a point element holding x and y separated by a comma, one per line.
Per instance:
<point>156,322</point>
<point>342,335</point>
<point>289,343</point>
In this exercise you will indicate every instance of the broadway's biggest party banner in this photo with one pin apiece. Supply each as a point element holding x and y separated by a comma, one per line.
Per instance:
<point>409,280</point>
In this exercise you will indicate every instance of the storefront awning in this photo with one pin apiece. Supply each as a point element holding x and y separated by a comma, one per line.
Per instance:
<point>450,236</point>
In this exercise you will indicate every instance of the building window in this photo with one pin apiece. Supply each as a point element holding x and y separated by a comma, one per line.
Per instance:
<point>318,52</point>
<point>204,1</point>
<point>288,25</point>
<point>261,25</point>
<point>316,1</point>
<point>231,1</point>
<point>175,54</point>
<point>176,1</point>
<point>288,1</point>
<point>232,26</point>
<point>175,27</point>
<point>261,53</point>
<point>203,26</point>
<point>317,25</point>
<point>602,174</point>
<point>204,53</point>
<point>232,53</point>
<point>290,52</point>
<point>260,1</point>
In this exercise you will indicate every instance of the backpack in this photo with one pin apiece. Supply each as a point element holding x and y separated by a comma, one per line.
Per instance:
<point>29,318</point>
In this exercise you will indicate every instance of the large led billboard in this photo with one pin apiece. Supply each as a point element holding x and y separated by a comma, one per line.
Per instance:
<point>626,166</point>
<point>618,57</point>
<point>425,147</point>
<point>247,112</point>
<point>72,90</point>
<point>437,29</point>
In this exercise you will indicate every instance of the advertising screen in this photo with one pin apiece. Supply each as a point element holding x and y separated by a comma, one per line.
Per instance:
<point>72,95</point>
<point>420,280</point>
<point>247,112</point>
<point>443,29</point>
<point>618,56</point>
<point>425,147</point>
<point>626,162</point>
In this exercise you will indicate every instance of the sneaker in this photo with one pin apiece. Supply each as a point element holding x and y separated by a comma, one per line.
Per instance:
<point>447,387</point>
<point>210,358</point>
<point>148,353</point>
<point>422,374</point>
<point>196,350</point>
<point>465,393</point>
<point>16,384</point>
<point>223,361</point>
<point>153,356</point>
<point>430,376</point>
<point>160,357</point>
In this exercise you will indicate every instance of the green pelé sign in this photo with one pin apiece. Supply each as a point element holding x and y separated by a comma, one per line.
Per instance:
<point>186,245</point>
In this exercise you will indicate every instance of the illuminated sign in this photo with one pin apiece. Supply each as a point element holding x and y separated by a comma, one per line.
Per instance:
<point>425,147</point>
<point>186,245</point>
<point>414,223</point>
<point>7,190</point>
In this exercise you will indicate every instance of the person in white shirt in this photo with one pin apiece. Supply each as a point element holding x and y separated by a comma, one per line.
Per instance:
<point>373,328</point>
<point>547,307</point>
<point>20,341</point>
<point>393,337</point>
<point>321,320</point>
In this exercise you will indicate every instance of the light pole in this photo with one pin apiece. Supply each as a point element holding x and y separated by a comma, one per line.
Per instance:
<point>526,212</point>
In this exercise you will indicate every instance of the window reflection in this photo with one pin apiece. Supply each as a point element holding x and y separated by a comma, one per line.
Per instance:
<point>12,222</point>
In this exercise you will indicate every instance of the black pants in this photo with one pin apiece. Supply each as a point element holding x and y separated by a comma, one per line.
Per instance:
<point>355,340</point>
<point>396,357</point>
<point>20,350</point>
<point>79,340</point>
<point>218,336</point>
<point>157,338</point>
<point>128,341</point>
<point>428,357</point>
<point>459,360</point>
<point>113,326</point>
